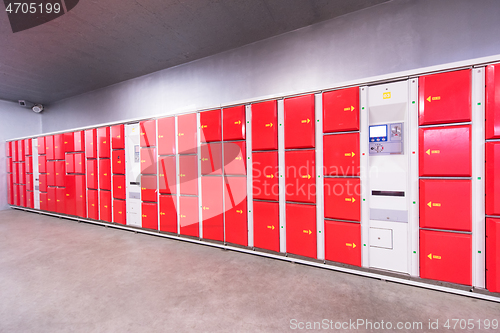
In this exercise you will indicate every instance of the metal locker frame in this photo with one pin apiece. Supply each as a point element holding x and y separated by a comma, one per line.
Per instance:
<point>198,155</point>
<point>413,210</point>
<point>178,178</point>
<point>36,174</point>
<point>281,167</point>
<point>249,161</point>
<point>363,164</point>
<point>320,201</point>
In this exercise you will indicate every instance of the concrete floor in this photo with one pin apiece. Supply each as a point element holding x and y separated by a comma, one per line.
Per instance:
<point>62,276</point>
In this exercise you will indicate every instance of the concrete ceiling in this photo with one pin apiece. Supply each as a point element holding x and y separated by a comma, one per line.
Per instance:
<point>103,42</point>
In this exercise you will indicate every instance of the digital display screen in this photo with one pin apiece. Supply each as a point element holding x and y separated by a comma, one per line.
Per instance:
<point>378,131</point>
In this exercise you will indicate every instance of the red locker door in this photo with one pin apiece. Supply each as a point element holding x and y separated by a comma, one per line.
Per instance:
<point>120,211</point>
<point>93,204</point>
<point>70,163</point>
<point>119,162</point>
<point>29,182</point>
<point>14,151</point>
<point>301,230</point>
<point>166,136</point>
<point>91,143</point>
<point>189,224</point>
<point>51,199</point>
<point>148,133</point>
<point>446,204</point>
<point>69,142</point>
<point>210,125</point>
<point>235,158</point>
<point>51,173</point>
<point>150,215</point>
<point>188,173</point>
<point>22,195</point>
<point>60,172</point>
<point>42,182</point>
<point>105,207</point>
<point>61,200</point>
<point>341,154</point>
<point>341,110</point>
<point>29,164</point>
<point>8,149</point>
<point>343,242</point>
<point>342,198</point>
<point>235,199</point>
<point>119,189</point>
<point>168,175</point>
<point>30,199</point>
<point>300,176</point>
<point>118,137</point>
<point>43,201</point>
<point>445,97</point>
<point>148,161</point>
<point>234,122</point>
<point>493,255</point>
<point>70,195</point>
<point>41,142</point>
<point>168,213</point>
<point>59,147</point>
<point>20,151</point>
<point>92,174</point>
<point>17,197</point>
<point>493,101</point>
<point>49,147</point>
<point>79,140</point>
<point>9,164</point>
<point>148,188</point>
<point>265,126</point>
<point>10,190</point>
<point>15,173</point>
<point>492,178</point>
<point>265,176</point>
<point>21,172</point>
<point>105,174</point>
<point>445,151</point>
<point>299,122</point>
<point>211,159</point>
<point>212,208</point>
<point>446,256</point>
<point>42,164</point>
<point>187,138</point>
<point>28,147</point>
<point>266,225</point>
<point>80,196</point>
<point>103,137</point>
<point>79,163</point>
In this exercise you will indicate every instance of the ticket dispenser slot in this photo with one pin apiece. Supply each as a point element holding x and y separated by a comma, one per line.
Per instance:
<point>388,110</point>
<point>133,175</point>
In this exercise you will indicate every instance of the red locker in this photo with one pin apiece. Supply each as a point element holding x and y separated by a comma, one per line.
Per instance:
<point>445,151</point>
<point>168,175</point>
<point>445,97</point>
<point>105,207</point>
<point>148,188</point>
<point>166,136</point>
<point>210,126</point>
<point>79,163</point>
<point>81,196</point>
<point>92,174</point>
<point>14,151</point>
<point>9,164</point>
<point>70,195</point>
<point>150,215</point>
<point>120,211</point>
<point>20,151</point>
<point>343,242</point>
<point>266,225</point>
<point>79,140</point>
<point>211,159</point>
<point>265,175</point>
<point>234,122</point>
<point>265,126</point>
<point>446,256</point>
<point>28,147</point>
<point>16,196</point>
<point>300,176</point>
<point>51,199</point>
<point>493,255</point>
<point>212,208</point>
<point>342,198</point>
<point>93,204</point>
<point>103,138</point>
<point>446,204</point>
<point>118,137</point>
<point>492,178</point>
<point>148,133</point>
<point>29,164</point>
<point>41,142</point>
<point>188,174</point>
<point>30,199</point>
<point>42,182</point>
<point>60,200</point>
<point>8,149</point>
<point>168,213</point>
<point>21,172</point>
<point>235,158</point>
<point>301,230</point>
<point>299,122</point>
<point>493,101</point>
<point>91,143</point>
<point>189,224</point>
<point>60,172</point>
<point>118,162</point>
<point>341,110</point>
<point>105,174</point>
<point>42,164</point>
<point>341,154</point>
<point>59,147</point>
<point>15,173</point>
<point>29,182</point>
<point>148,161</point>
<point>187,138</point>
<point>70,163</point>
<point>10,190</point>
<point>235,200</point>
<point>69,142</point>
<point>44,201</point>
<point>22,195</point>
<point>119,188</point>
<point>49,147</point>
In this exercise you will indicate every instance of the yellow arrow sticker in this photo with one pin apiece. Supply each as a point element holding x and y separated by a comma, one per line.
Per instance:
<point>205,208</point>
<point>204,159</point>
<point>144,215</point>
<point>435,98</point>
<point>306,121</point>
<point>238,158</point>
<point>350,200</point>
<point>160,136</point>
<point>162,213</point>
<point>307,231</point>
<point>351,108</point>
<point>433,204</point>
<point>237,122</point>
<point>270,227</point>
<point>181,175</point>
<point>204,126</point>
<point>239,211</point>
<point>307,176</point>
<point>181,134</point>
<point>351,154</point>
<point>429,151</point>
<point>270,176</point>
<point>182,216</point>
<point>269,125</point>
<point>431,256</point>
<point>350,245</point>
